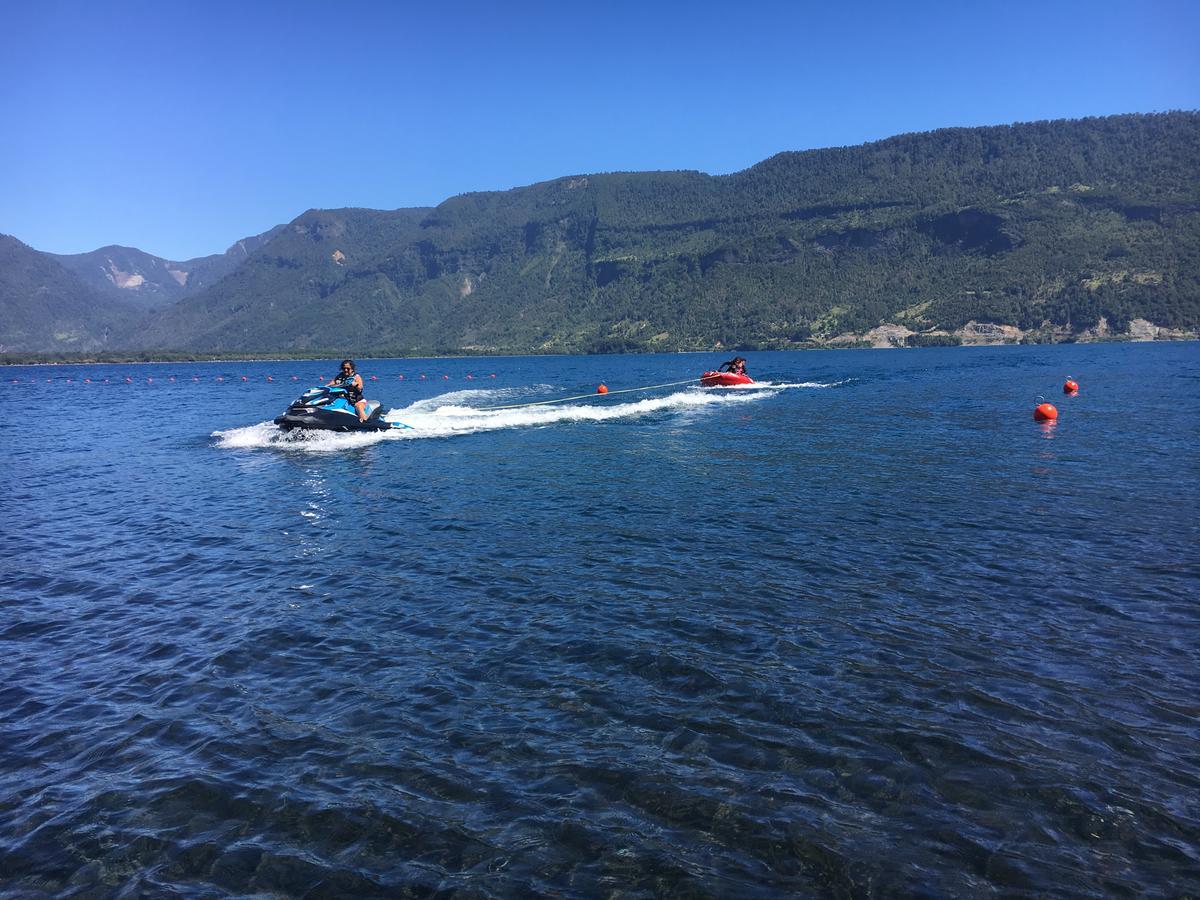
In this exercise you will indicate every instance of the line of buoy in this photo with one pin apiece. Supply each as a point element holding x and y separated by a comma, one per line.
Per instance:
<point>270,379</point>
<point>1046,412</point>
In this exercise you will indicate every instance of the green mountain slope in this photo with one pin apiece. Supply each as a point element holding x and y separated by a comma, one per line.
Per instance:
<point>151,282</point>
<point>281,297</point>
<point>1066,230</point>
<point>45,307</point>
<point>1049,227</point>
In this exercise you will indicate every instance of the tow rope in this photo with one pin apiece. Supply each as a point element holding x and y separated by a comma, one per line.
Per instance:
<point>649,387</point>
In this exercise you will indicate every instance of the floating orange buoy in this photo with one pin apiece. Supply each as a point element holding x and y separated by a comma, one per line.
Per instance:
<point>1070,387</point>
<point>1045,413</point>
<point>470,377</point>
<point>373,378</point>
<point>493,375</point>
<point>603,389</point>
<point>446,377</point>
<point>269,378</point>
<point>401,377</point>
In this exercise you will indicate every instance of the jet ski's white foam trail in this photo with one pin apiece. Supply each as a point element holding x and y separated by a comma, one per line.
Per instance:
<point>485,396</point>
<point>459,412</point>
<point>802,384</point>
<point>268,435</point>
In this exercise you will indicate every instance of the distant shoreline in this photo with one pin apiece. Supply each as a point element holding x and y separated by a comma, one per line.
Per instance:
<point>135,358</point>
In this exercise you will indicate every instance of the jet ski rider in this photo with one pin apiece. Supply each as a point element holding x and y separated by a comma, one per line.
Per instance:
<point>352,382</point>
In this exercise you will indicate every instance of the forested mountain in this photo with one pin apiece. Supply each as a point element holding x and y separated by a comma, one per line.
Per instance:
<point>281,298</point>
<point>45,307</point>
<point>88,302</point>
<point>151,282</point>
<point>1044,231</point>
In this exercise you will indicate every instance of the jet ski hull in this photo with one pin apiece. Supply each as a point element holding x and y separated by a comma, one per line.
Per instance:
<point>318,420</point>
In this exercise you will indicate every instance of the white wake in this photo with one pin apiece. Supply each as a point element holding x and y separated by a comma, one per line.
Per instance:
<point>466,412</point>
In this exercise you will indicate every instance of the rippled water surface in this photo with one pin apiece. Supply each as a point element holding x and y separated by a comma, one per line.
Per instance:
<point>866,630</point>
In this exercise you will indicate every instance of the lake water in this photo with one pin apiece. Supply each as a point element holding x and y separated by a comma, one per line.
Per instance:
<point>866,629</point>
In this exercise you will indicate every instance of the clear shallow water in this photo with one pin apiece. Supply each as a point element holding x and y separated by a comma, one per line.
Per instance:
<point>870,630</point>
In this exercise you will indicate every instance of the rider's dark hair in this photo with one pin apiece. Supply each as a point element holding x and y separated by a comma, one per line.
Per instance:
<point>351,362</point>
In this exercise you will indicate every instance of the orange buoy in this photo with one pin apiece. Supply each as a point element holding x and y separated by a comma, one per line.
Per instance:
<point>401,377</point>
<point>493,375</point>
<point>374,378</point>
<point>1070,387</point>
<point>603,389</point>
<point>445,377</point>
<point>1045,412</point>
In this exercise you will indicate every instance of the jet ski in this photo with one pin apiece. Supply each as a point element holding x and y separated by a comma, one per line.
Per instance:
<point>330,409</point>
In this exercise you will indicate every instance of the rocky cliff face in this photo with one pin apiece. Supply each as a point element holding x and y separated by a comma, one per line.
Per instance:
<point>984,334</point>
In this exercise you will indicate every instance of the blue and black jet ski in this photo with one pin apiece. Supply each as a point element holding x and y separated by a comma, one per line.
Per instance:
<point>330,409</point>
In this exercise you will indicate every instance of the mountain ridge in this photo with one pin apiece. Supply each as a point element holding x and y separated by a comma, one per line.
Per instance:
<point>151,282</point>
<point>1056,230</point>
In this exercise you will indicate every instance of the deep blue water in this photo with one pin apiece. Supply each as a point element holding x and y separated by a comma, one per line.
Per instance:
<point>868,631</point>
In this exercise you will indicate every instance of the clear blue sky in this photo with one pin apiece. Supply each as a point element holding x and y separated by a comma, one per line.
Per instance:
<point>180,127</point>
